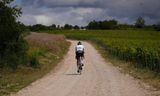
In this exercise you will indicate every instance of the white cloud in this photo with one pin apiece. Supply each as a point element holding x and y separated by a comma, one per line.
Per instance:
<point>42,19</point>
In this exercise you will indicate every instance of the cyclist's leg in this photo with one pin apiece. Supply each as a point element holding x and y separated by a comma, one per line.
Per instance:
<point>77,57</point>
<point>78,62</point>
<point>82,57</point>
<point>77,65</point>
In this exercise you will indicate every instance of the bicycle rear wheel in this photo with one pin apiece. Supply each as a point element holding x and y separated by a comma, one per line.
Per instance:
<point>80,65</point>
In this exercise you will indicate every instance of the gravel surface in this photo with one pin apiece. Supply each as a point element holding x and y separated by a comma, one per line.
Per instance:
<point>99,78</point>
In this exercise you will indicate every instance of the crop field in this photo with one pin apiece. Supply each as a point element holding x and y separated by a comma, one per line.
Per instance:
<point>138,46</point>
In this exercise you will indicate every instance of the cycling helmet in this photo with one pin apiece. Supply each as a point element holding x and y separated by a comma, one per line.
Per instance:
<point>79,43</point>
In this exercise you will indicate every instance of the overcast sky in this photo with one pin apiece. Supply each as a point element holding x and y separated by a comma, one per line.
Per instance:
<point>80,12</point>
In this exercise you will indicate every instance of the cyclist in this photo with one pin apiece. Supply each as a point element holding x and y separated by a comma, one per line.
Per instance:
<point>79,50</point>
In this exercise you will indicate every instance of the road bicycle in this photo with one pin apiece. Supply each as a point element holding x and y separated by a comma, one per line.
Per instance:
<point>79,65</point>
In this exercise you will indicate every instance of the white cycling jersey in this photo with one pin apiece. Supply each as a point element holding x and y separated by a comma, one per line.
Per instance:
<point>79,48</point>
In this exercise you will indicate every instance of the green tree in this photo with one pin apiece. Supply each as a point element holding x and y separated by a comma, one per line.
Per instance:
<point>53,26</point>
<point>140,22</point>
<point>93,25</point>
<point>111,24</point>
<point>157,26</point>
<point>76,27</point>
<point>67,26</point>
<point>39,27</point>
<point>12,46</point>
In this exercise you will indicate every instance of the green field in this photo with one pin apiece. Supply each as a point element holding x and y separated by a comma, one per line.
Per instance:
<point>138,46</point>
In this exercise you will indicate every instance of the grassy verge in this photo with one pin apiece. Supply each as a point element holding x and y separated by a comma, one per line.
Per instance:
<point>45,58</point>
<point>147,76</point>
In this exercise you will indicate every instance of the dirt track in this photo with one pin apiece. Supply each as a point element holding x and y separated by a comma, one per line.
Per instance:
<point>98,79</point>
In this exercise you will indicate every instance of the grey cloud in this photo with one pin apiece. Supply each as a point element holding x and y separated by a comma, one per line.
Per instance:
<point>78,16</point>
<point>61,3</point>
<point>73,11</point>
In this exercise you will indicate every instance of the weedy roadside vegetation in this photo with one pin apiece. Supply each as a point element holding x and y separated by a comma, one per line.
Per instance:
<point>44,53</point>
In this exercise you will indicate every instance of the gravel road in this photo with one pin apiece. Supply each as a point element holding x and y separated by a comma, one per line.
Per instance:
<point>99,78</point>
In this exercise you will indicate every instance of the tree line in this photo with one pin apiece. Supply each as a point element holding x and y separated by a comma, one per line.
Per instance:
<point>40,27</point>
<point>98,25</point>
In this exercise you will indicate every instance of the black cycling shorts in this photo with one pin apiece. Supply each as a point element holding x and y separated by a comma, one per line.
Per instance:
<point>79,54</point>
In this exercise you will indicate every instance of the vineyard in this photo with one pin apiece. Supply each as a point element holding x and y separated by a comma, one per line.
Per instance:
<point>137,46</point>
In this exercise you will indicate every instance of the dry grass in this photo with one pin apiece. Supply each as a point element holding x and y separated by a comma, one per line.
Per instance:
<point>53,43</point>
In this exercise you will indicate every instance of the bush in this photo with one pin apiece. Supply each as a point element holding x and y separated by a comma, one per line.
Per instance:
<point>34,63</point>
<point>157,27</point>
